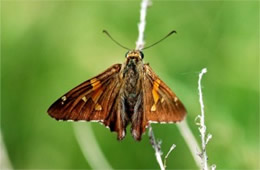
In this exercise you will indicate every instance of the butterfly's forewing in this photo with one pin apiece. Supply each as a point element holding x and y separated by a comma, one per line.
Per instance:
<point>160,103</point>
<point>93,100</point>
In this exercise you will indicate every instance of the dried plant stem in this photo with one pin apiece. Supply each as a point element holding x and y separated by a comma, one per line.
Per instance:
<point>170,150</point>
<point>157,147</point>
<point>141,25</point>
<point>202,127</point>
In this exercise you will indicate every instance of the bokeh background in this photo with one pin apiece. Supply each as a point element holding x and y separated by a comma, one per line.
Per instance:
<point>48,47</point>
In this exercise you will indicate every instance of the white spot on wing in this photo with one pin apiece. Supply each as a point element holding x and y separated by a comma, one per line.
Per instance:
<point>175,101</point>
<point>153,108</point>
<point>84,99</point>
<point>163,122</point>
<point>162,100</point>
<point>81,120</point>
<point>63,98</point>
<point>96,120</point>
<point>150,121</point>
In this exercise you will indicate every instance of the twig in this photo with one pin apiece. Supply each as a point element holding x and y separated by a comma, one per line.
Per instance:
<point>170,150</point>
<point>157,147</point>
<point>202,128</point>
<point>202,125</point>
<point>141,25</point>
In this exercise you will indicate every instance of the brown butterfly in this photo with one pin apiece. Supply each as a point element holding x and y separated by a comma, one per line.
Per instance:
<point>124,93</point>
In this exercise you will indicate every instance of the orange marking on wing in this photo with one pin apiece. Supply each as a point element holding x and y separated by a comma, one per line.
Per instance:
<point>98,107</point>
<point>97,91</point>
<point>95,83</point>
<point>156,96</point>
<point>96,95</point>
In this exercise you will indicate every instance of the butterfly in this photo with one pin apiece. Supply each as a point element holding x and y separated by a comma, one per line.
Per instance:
<point>124,93</point>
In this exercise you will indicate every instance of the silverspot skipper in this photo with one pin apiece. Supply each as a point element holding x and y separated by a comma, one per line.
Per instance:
<point>124,93</point>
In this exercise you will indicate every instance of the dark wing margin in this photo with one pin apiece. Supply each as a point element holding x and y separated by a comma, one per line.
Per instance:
<point>94,100</point>
<point>161,105</point>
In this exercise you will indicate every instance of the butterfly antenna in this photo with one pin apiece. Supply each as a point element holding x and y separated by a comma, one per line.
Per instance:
<point>160,40</point>
<point>105,31</point>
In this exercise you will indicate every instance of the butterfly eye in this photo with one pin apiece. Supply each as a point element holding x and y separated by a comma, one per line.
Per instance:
<point>142,54</point>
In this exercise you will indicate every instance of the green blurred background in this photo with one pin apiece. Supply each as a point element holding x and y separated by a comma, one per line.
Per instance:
<point>48,47</point>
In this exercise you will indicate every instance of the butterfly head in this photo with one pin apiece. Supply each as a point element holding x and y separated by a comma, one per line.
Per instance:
<point>134,54</point>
